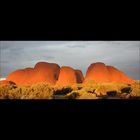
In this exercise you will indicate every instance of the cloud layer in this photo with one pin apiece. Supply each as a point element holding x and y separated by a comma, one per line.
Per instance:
<point>124,55</point>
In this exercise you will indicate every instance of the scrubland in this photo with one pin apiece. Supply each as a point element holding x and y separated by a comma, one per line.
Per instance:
<point>89,90</point>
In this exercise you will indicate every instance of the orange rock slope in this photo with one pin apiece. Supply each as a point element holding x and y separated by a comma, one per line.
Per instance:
<point>67,76</point>
<point>42,72</point>
<point>51,73</point>
<point>5,82</point>
<point>99,73</point>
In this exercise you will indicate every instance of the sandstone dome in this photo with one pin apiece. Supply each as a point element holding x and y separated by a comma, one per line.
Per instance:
<point>97,72</point>
<point>17,77</point>
<point>67,76</point>
<point>47,72</point>
<point>100,73</point>
<point>42,72</point>
<point>51,73</point>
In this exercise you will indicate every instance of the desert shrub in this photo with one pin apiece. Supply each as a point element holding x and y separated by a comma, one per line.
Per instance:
<point>87,96</point>
<point>74,87</point>
<point>112,93</point>
<point>72,95</point>
<point>77,91</point>
<point>87,93</point>
<point>112,89</point>
<point>89,82</point>
<point>63,91</point>
<point>40,91</point>
<point>101,91</point>
<point>110,86</point>
<point>4,91</point>
<point>126,90</point>
<point>88,90</point>
<point>79,86</point>
<point>81,94</point>
<point>135,89</point>
<point>121,86</point>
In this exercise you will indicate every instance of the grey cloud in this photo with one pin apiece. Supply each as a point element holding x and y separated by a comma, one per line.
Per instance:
<point>78,54</point>
<point>76,46</point>
<point>48,57</point>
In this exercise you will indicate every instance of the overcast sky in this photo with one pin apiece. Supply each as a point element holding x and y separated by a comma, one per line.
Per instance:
<point>124,55</point>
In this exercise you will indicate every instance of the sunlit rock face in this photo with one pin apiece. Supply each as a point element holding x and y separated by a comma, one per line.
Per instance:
<point>79,76</point>
<point>99,73</point>
<point>118,76</point>
<point>51,73</point>
<point>47,72</point>
<point>42,72</point>
<point>17,77</point>
<point>67,76</point>
<point>5,82</point>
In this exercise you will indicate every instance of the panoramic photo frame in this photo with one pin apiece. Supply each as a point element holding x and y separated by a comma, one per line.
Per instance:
<point>69,70</point>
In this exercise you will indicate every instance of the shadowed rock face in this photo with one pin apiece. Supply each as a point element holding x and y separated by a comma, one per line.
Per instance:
<point>79,76</point>
<point>42,72</point>
<point>56,70</point>
<point>47,72</point>
<point>99,73</point>
<point>67,76</point>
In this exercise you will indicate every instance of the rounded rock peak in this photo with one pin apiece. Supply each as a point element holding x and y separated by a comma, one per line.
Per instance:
<point>54,64</point>
<point>67,76</point>
<point>97,72</point>
<point>42,72</point>
<point>97,63</point>
<point>63,67</point>
<point>41,64</point>
<point>45,65</point>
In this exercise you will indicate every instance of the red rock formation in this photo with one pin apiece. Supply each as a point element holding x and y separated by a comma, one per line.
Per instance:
<point>56,70</point>
<point>67,76</point>
<point>42,72</point>
<point>99,73</point>
<point>47,72</point>
<point>5,82</point>
<point>29,76</point>
<point>51,73</point>
<point>17,77</point>
<point>118,76</point>
<point>79,76</point>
